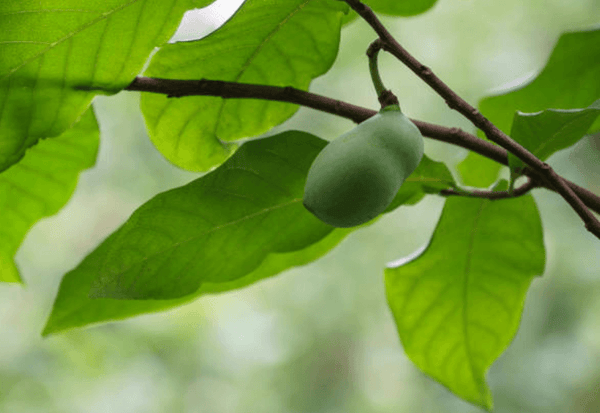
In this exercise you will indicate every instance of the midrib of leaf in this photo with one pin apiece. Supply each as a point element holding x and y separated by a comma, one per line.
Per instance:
<point>195,237</point>
<point>465,297</point>
<point>103,15</point>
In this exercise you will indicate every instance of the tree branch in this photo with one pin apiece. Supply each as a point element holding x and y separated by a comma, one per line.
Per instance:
<point>228,90</point>
<point>491,131</point>
<point>454,136</point>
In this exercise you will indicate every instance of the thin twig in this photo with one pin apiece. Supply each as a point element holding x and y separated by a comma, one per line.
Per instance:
<point>493,195</point>
<point>491,131</point>
<point>358,114</point>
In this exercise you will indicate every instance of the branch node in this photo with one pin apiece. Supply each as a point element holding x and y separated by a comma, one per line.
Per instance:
<point>374,47</point>
<point>454,131</point>
<point>387,98</point>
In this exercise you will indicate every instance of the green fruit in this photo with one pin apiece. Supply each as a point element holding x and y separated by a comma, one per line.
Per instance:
<point>356,176</point>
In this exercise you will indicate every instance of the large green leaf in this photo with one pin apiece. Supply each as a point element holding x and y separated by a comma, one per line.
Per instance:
<point>73,308</point>
<point>282,160</point>
<point>41,184</point>
<point>458,304</point>
<point>546,132</point>
<point>569,80</point>
<point>54,53</point>
<point>271,42</point>
<point>215,229</point>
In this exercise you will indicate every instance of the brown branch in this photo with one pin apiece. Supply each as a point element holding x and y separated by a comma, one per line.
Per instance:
<point>358,114</point>
<point>454,136</point>
<point>491,131</point>
<point>493,195</point>
<point>228,90</point>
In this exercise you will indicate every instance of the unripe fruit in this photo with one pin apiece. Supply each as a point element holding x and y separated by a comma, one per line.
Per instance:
<point>356,176</point>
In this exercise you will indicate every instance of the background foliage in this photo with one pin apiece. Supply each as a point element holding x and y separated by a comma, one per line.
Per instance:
<point>320,338</point>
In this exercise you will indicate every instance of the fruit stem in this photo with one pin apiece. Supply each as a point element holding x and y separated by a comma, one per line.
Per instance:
<point>385,96</point>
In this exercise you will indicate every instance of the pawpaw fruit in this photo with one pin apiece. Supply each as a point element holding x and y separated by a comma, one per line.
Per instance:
<point>356,176</point>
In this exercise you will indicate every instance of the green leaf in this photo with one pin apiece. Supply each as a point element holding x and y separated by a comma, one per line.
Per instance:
<point>270,42</point>
<point>54,53</point>
<point>400,7</point>
<point>285,160</point>
<point>429,178</point>
<point>458,305</point>
<point>41,184</point>
<point>546,132</point>
<point>73,308</point>
<point>569,80</point>
<point>217,228</point>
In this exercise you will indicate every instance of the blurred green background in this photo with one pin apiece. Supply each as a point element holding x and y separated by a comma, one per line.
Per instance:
<point>318,338</point>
